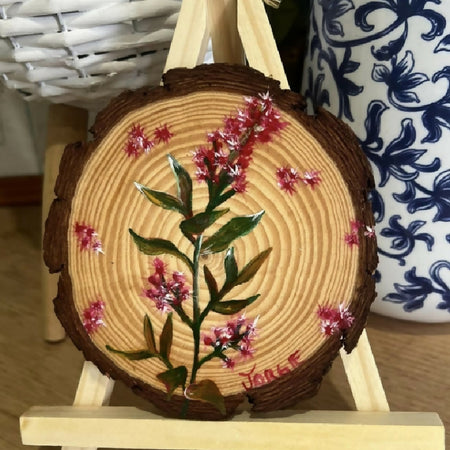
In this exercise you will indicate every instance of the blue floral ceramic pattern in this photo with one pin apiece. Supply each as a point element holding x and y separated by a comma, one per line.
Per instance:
<point>383,66</point>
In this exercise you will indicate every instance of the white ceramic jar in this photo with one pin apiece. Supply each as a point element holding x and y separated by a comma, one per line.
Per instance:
<point>383,66</point>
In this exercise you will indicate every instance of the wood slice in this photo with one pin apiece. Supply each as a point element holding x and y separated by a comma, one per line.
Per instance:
<point>301,235</point>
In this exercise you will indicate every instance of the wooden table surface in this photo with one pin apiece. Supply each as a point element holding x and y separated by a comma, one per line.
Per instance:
<point>413,359</point>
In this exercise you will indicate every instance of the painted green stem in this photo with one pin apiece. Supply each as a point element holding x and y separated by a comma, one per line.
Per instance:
<point>196,308</point>
<point>225,289</point>
<point>215,353</point>
<point>208,307</point>
<point>183,316</point>
<point>216,197</point>
<point>219,198</point>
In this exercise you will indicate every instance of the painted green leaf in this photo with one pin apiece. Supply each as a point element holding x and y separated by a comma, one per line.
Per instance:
<point>206,391</point>
<point>233,306</point>
<point>184,184</point>
<point>165,340</point>
<point>149,335</point>
<point>162,199</point>
<point>200,222</point>
<point>173,378</point>
<point>211,283</point>
<point>249,270</point>
<point>133,355</point>
<point>235,228</point>
<point>231,267</point>
<point>157,246</point>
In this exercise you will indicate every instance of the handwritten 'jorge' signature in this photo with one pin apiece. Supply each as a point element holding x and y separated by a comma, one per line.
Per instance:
<point>268,375</point>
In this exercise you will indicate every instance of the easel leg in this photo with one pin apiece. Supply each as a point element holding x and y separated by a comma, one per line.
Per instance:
<point>226,43</point>
<point>258,41</point>
<point>190,39</point>
<point>66,124</point>
<point>94,389</point>
<point>363,377</point>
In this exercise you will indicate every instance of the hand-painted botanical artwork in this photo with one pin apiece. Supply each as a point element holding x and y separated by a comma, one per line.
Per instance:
<point>222,165</point>
<point>217,244</point>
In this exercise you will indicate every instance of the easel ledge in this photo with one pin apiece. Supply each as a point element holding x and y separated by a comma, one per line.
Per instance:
<point>129,427</point>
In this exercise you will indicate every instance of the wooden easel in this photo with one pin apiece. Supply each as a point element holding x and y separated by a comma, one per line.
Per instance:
<point>235,26</point>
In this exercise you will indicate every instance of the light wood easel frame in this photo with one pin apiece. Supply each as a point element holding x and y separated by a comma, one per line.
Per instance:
<point>235,27</point>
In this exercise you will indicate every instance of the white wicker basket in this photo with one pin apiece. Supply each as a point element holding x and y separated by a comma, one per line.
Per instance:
<point>83,52</point>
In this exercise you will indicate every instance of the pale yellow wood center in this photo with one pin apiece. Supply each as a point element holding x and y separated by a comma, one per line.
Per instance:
<point>310,263</point>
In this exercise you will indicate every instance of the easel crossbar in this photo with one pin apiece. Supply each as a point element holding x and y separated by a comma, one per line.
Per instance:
<point>128,427</point>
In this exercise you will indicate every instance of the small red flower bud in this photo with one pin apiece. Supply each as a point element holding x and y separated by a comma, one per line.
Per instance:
<point>162,134</point>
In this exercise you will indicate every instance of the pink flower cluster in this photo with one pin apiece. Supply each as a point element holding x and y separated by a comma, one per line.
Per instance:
<point>229,151</point>
<point>87,238</point>
<point>93,316</point>
<point>139,143</point>
<point>334,320</point>
<point>352,238</point>
<point>288,178</point>
<point>166,293</point>
<point>238,334</point>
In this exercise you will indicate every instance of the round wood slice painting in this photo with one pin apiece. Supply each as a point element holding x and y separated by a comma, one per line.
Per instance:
<point>214,242</point>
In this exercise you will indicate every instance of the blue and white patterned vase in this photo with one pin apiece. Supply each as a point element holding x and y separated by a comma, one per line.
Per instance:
<point>383,67</point>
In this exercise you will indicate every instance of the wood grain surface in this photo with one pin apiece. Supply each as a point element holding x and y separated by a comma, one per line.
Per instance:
<point>310,262</point>
<point>413,359</point>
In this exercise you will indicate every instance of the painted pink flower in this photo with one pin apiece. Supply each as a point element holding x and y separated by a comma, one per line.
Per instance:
<point>160,266</point>
<point>355,225</point>
<point>87,238</point>
<point>162,134</point>
<point>229,150</point>
<point>93,316</point>
<point>334,320</point>
<point>311,178</point>
<point>346,318</point>
<point>223,336</point>
<point>166,292</point>
<point>209,161</point>
<point>352,239</point>
<point>369,232</point>
<point>239,177</point>
<point>329,327</point>
<point>238,334</point>
<point>208,340</point>
<point>138,142</point>
<point>251,330</point>
<point>228,363</point>
<point>287,178</point>
<point>246,350</point>
<point>131,149</point>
